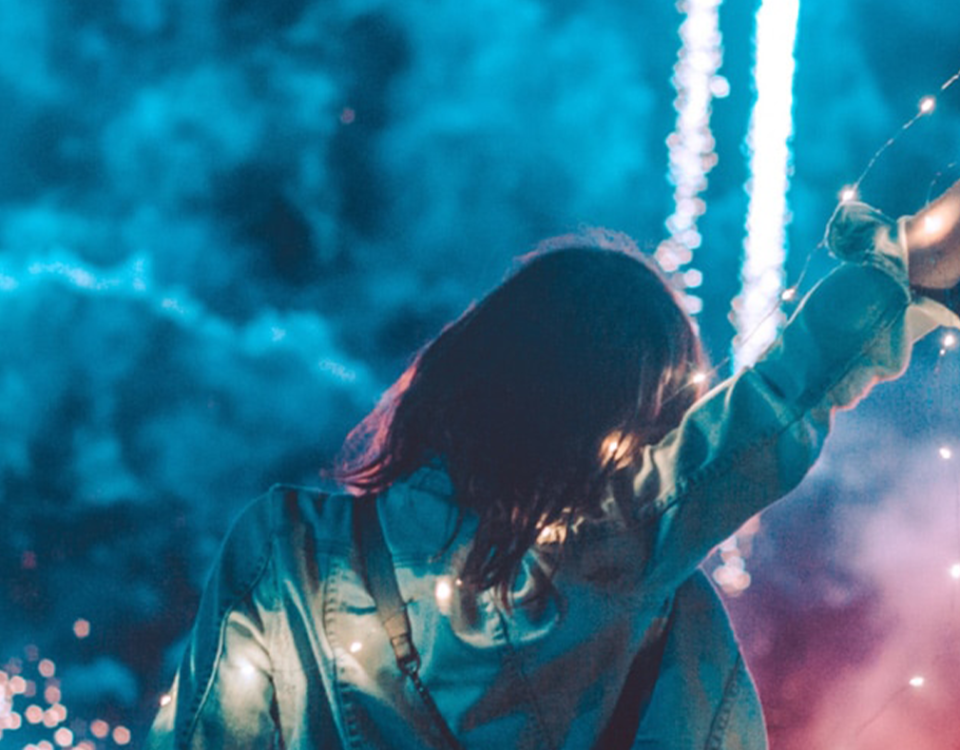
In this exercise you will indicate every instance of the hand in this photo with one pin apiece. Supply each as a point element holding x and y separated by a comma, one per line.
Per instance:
<point>933,242</point>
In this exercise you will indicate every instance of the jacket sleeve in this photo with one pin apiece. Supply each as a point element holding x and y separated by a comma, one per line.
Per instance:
<point>223,696</point>
<point>753,438</point>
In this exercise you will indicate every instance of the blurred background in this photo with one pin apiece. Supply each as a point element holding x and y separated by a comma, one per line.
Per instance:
<point>225,225</point>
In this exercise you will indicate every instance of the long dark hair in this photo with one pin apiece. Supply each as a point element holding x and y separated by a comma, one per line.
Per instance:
<point>535,395</point>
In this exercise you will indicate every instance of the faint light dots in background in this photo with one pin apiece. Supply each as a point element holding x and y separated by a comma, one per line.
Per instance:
<point>81,628</point>
<point>691,145</point>
<point>757,316</point>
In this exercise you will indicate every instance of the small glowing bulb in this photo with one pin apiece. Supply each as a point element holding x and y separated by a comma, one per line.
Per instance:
<point>927,105</point>
<point>355,647</point>
<point>121,736</point>
<point>945,453</point>
<point>917,681</point>
<point>955,571</point>
<point>932,223</point>
<point>698,378</point>
<point>848,194</point>
<point>166,699</point>
<point>949,341</point>
<point>444,591</point>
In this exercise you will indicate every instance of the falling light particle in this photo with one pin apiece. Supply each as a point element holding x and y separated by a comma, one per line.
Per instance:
<point>945,453</point>
<point>63,737</point>
<point>927,105</point>
<point>698,378</point>
<point>788,294</point>
<point>81,628</point>
<point>166,699</point>
<point>949,341</point>
<point>355,647</point>
<point>955,571</point>
<point>917,681</point>
<point>121,735</point>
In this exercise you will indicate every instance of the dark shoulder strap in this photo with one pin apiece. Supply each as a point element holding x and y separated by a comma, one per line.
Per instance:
<point>376,566</point>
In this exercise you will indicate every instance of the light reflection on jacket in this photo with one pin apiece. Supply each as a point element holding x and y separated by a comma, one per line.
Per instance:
<point>288,651</point>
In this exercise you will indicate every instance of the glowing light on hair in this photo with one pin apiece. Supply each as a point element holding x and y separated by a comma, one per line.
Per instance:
<point>691,145</point>
<point>757,316</point>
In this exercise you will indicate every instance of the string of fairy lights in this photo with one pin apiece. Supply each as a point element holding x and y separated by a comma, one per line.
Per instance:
<point>757,312</point>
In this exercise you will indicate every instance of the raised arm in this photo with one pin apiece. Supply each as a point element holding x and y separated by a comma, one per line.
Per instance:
<point>753,438</point>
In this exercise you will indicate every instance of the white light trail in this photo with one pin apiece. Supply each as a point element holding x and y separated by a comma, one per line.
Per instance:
<point>756,311</point>
<point>691,145</point>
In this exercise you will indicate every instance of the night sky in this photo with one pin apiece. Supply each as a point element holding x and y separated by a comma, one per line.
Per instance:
<point>225,226</point>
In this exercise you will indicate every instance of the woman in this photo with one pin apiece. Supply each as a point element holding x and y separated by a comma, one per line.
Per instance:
<point>547,476</point>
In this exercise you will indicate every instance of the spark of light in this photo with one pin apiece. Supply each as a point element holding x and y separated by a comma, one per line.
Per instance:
<point>848,194</point>
<point>949,341</point>
<point>955,571</point>
<point>691,145</point>
<point>946,453</point>
<point>757,315</point>
<point>917,681</point>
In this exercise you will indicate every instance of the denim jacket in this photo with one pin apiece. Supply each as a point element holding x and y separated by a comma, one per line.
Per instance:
<point>288,652</point>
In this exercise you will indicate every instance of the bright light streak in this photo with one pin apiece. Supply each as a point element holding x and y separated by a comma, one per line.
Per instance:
<point>757,315</point>
<point>691,145</point>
